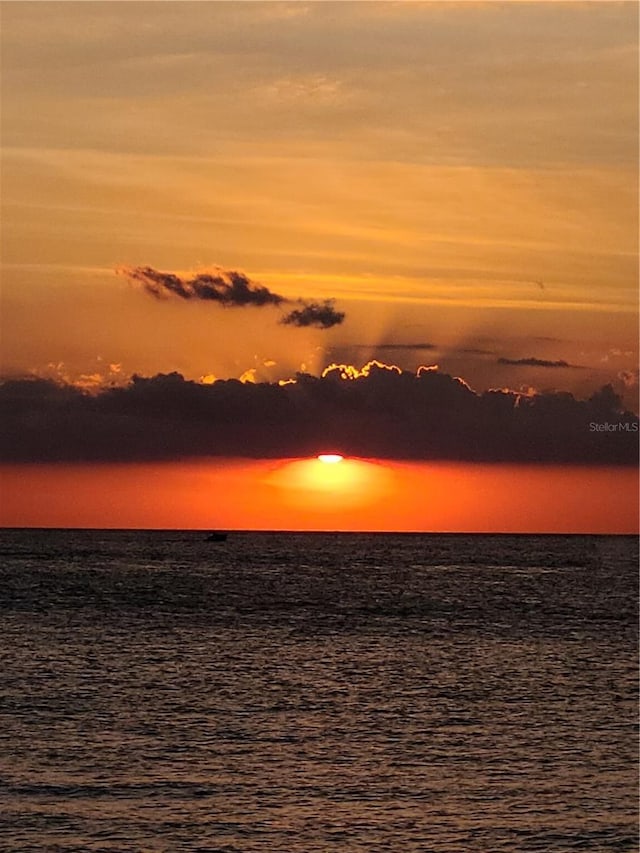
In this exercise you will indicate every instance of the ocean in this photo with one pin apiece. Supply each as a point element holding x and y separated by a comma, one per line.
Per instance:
<point>317,692</point>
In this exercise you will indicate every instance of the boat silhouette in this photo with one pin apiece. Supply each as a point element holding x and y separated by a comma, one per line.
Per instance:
<point>217,536</point>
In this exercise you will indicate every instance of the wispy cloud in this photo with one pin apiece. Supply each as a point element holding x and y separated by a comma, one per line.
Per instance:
<point>229,288</point>
<point>538,362</point>
<point>232,289</point>
<point>409,347</point>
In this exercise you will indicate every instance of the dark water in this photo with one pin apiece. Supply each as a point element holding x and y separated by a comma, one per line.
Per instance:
<point>304,693</point>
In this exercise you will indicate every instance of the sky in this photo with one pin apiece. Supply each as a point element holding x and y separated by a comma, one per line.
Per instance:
<point>239,234</point>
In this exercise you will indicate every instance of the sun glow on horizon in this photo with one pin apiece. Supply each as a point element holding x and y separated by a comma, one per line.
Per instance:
<point>331,483</point>
<point>330,458</point>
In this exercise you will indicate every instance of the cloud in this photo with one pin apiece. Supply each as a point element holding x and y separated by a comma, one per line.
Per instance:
<point>227,287</point>
<point>537,362</point>
<point>616,352</point>
<point>320,314</point>
<point>375,411</point>
<point>349,371</point>
<point>419,346</point>
<point>231,289</point>
<point>629,378</point>
<point>305,89</point>
<point>101,376</point>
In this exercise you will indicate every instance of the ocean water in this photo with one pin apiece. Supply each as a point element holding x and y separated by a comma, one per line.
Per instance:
<point>317,692</point>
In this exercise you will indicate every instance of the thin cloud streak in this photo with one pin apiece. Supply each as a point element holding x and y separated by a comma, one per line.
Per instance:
<point>538,362</point>
<point>409,347</point>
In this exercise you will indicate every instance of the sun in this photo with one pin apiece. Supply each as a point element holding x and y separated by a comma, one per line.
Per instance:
<point>330,458</point>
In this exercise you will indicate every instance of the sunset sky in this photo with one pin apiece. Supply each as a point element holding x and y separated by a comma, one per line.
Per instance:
<point>184,187</point>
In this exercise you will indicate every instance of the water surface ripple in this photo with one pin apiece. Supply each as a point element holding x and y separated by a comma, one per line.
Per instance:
<point>299,693</point>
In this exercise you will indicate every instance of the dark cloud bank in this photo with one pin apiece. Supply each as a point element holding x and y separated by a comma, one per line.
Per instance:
<point>232,289</point>
<point>386,414</point>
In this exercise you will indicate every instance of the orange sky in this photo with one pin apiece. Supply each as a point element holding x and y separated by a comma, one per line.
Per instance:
<point>462,178</point>
<point>308,495</point>
<point>461,174</point>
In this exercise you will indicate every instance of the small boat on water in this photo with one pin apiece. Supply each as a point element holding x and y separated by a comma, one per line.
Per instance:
<point>217,536</point>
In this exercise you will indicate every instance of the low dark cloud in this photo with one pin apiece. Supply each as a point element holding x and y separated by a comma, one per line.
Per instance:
<point>537,362</point>
<point>381,413</point>
<point>320,314</point>
<point>231,289</point>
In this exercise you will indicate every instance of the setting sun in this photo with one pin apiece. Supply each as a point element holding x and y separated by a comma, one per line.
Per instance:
<point>330,458</point>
